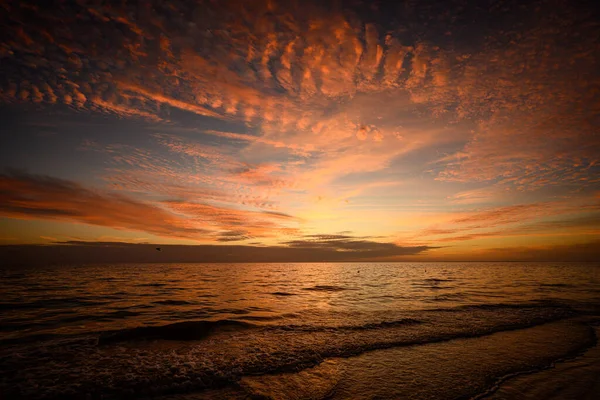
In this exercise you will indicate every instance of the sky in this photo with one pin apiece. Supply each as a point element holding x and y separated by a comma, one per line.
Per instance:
<point>302,130</point>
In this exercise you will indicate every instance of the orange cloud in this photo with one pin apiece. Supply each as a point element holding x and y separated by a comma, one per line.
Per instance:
<point>26,196</point>
<point>244,223</point>
<point>583,251</point>
<point>516,220</point>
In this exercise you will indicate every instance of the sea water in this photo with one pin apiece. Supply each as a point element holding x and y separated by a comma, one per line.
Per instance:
<point>297,331</point>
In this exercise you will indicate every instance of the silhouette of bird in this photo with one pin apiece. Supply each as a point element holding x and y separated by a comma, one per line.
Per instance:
<point>158,249</point>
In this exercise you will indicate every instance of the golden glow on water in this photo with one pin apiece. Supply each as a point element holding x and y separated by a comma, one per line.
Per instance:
<point>111,297</point>
<point>276,329</point>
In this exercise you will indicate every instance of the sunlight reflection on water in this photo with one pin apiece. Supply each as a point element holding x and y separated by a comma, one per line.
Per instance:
<point>313,330</point>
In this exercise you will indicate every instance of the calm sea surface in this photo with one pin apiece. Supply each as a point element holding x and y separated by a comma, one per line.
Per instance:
<point>297,331</point>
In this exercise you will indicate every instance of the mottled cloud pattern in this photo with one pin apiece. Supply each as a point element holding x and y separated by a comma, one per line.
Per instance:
<point>275,120</point>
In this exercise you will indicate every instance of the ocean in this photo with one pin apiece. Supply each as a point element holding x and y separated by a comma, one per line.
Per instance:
<point>300,331</point>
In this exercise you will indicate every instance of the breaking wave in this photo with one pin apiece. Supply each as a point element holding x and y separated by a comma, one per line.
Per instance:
<point>188,330</point>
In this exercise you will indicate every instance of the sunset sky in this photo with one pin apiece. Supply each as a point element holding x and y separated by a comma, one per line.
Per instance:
<point>450,130</point>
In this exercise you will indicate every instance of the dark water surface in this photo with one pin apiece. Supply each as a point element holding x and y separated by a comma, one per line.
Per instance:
<point>298,331</point>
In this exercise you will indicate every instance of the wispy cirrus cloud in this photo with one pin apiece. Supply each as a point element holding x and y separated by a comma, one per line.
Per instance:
<point>193,171</point>
<point>253,224</point>
<point>547,218</point>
